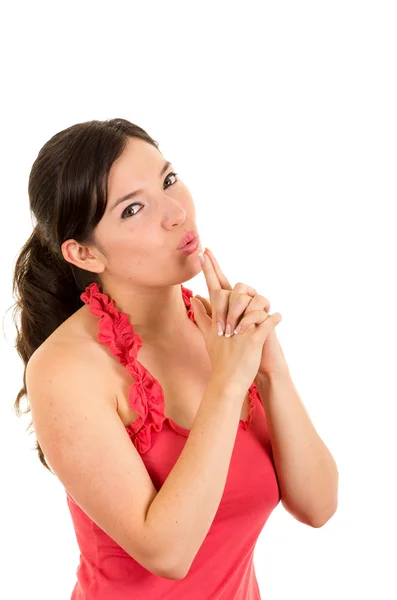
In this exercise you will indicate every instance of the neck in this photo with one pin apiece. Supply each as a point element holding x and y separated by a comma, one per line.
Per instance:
<point>157,314</point>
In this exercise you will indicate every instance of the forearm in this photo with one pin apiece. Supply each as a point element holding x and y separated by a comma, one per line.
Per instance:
<point>182,512</point>
<point>306,470</point>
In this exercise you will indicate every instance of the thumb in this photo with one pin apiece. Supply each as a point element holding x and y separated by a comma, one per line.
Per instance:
<point>200,315</point>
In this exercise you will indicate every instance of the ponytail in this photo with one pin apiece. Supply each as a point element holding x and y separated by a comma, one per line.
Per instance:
<point>47,294</point>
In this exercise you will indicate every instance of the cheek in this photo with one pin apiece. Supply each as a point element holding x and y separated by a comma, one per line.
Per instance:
<point>122,249</point>
<point>143,249</point>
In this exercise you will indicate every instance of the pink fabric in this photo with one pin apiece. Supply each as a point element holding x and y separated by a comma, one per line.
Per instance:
<point>223,568</point>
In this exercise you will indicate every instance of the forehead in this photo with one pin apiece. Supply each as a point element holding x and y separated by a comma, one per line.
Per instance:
<point>139,162</point>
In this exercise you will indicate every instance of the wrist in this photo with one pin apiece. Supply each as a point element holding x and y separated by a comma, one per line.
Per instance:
<point>268,378</point>
<point>230,384</point>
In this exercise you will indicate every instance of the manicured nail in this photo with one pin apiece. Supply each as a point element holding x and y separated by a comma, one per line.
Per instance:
<point>201,257</point>
<point>228,330</point>
<point>220,328</point>
<point>237,330</point>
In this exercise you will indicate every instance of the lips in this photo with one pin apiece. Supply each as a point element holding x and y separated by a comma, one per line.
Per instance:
<point>188,237</point>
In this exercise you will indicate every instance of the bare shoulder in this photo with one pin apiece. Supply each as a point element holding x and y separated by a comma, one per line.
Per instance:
<point>75,344</point>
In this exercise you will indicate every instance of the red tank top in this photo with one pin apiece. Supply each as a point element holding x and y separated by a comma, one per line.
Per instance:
<point>223,568</point>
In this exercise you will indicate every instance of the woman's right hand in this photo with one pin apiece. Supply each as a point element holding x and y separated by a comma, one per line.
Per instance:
<point>235,359</point>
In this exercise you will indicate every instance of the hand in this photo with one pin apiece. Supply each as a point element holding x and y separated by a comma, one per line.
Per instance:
<point>273,363</point>
<point>235,361</point>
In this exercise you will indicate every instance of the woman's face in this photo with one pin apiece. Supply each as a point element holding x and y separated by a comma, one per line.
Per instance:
<point>140,235</point>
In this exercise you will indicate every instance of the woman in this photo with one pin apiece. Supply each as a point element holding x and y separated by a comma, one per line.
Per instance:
<point>165,457</point>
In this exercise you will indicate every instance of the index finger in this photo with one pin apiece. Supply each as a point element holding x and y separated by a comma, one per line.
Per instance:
<point>211,277</point>
<point>223,280</point>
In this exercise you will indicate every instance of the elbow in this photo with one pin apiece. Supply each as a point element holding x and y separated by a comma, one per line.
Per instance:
<point>321,518</point>
<point>164,563</point>
<point>320,521</point>
<point>168,574</point>
<point>174,574</point>
<point>170,571</point>
<point>179,572</point>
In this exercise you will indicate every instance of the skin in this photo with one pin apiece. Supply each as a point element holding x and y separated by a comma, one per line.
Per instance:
<point>141,270</point>
<point>135,249</point>
<point>136,256</point>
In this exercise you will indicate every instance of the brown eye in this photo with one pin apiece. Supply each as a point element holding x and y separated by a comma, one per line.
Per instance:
<point>128,207</point>
<point>169,175</point>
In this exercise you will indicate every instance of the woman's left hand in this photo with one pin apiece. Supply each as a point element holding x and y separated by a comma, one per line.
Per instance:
<point>273,363</point>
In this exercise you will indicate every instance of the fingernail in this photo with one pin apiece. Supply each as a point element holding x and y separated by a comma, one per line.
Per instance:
<point>237,330</point>
<point>201,257</point>
<point>228,330</point>
<point>220,328</point>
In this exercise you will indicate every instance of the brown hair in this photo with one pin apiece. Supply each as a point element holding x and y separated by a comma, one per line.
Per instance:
<point>68,193</point>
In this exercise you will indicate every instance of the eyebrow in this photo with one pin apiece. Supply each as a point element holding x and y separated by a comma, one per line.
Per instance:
<point>132,194</point>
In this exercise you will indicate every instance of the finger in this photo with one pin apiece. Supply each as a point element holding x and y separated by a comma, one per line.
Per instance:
<point>211,277</point>
<point>243,304</point>
<point>207,304</point>
<point>258,303</point>
<point>243,288</point>
<point>223,280</point>
<point>255,317</point>
<point>240,302</point>
<point>237,307</point>
<point>201,317</point>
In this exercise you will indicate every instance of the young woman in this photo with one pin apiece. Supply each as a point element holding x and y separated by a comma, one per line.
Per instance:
<point>148,417</point>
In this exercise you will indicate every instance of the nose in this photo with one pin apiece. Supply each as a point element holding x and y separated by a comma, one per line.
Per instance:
<point>174,213</point>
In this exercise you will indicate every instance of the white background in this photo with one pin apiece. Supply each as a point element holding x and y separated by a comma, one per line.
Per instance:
<point>280,117</point>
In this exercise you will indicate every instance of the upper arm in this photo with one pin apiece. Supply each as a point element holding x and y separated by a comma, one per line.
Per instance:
<point>86,444</point>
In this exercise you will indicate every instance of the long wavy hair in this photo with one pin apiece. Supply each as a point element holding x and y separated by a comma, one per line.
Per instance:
<point>68,193</point>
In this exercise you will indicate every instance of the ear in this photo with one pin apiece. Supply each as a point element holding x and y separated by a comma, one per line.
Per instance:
<point>82,256</point>
<point>206,303</point>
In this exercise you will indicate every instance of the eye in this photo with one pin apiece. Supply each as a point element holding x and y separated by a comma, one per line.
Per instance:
<point>169,175</point>
<point>124,216</point>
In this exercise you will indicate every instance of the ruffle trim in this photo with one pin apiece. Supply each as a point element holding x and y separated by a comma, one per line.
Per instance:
<point>145,394</point>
